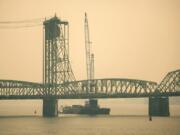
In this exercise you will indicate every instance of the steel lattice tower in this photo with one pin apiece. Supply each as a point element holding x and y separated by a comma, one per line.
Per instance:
<point>57,69</point>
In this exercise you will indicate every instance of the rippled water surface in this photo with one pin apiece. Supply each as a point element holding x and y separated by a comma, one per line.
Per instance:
<point>87,125</point>
<point>18,118</point>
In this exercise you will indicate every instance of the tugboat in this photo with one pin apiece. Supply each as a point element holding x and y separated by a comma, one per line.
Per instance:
<point>91,107</point>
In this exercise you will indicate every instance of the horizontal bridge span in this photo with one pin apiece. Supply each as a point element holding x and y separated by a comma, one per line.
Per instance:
<point>20,88</point>
<point>97,88</point>
<point>111,86</point>
<point>86,96</point>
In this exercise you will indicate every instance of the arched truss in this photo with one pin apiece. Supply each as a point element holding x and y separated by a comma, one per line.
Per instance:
<point>78,89</point>
<point>15,88</point>
<point>170,84</point>
<point>104,88</point>
<point>99,88</point>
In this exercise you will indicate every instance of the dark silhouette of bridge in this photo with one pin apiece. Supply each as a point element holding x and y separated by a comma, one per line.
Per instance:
<point>59,81</point>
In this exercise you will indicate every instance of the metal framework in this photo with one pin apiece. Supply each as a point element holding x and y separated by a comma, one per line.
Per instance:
<point>101,88</point>
<point>57,69</point>
<point>88,48</point>
<point>89,55</point>
<point>59,80</point>
<point>171,83</point>
<point>92,66</point>
<point>112,88</point>
<point>19,89</point>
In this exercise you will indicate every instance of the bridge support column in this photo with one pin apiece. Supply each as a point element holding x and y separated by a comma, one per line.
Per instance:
<point>159,106</point>
<point>50,107</point>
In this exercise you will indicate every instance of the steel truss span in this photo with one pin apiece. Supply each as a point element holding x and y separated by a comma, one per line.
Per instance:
<point>170,83</point>
<point>100,88</point>
<point>16,89</point>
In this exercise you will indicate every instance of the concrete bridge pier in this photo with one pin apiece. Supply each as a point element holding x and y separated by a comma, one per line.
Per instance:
<point>50,107</point>
<point>159,106</point>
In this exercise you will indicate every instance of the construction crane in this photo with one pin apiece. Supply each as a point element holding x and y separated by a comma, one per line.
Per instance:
<point>89,55</point>
<point>92,67</point>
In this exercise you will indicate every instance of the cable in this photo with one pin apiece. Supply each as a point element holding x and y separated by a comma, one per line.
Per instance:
<point>26,21</point>
<point>22,21</point>
<point>16,27</point>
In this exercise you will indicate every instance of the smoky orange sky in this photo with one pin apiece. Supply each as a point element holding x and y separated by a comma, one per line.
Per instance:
<point>137,39</point>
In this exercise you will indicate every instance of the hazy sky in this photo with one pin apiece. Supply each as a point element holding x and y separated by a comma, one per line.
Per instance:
<point>130,38</point>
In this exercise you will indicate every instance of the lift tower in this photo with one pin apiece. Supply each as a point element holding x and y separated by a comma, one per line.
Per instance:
<point>56,64</point>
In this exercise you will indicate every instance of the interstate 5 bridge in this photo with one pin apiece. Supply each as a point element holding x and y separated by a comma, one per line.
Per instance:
<point>59,81</point>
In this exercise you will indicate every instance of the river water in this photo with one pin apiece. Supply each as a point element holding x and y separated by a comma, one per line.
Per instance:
<point>126,118</point>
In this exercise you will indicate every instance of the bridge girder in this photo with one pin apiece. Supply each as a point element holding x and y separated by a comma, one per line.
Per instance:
<point>77,89</point>
<point>170,83</point>
<point>100,88</point>
<point>15,87</point>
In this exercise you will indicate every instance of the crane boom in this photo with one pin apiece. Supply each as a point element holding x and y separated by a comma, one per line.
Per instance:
<point>89,56</point>
<point>92,66</point>
<point>87,46</point>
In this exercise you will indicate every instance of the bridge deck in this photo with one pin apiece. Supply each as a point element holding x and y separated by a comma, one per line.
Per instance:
<point>97,88</point>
